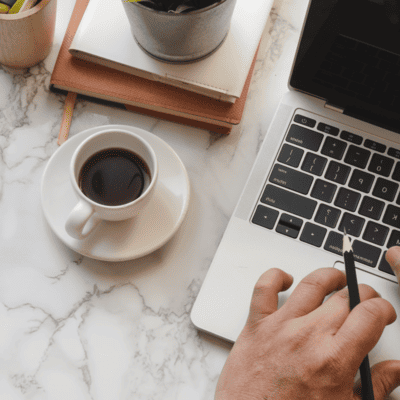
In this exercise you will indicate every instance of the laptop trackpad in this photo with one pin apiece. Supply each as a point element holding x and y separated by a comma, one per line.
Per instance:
<point>387,289</point>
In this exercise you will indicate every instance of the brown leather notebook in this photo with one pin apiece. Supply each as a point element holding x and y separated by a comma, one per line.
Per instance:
<point>139,94</point>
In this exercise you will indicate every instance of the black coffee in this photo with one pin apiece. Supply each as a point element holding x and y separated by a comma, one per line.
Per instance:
<point>114,176</point>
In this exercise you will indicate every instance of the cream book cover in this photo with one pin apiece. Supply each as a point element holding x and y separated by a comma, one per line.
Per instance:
<point>104,37</point>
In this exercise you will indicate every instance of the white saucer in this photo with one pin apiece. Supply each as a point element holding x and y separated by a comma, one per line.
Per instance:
<point>123,240</point>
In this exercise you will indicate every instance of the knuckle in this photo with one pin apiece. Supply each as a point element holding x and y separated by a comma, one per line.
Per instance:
<point>296,333</point>
<point>334,370</point>
<point>323,276</point>
<point>267,279</point>
<point>368,290</point>
<point>344,293</point>
<point>261,287</point>
<point>365,291</point>
<point>312,280</point>
<point>328,368</point>
<point>333,366</point>
<point>373,309</point>
<point>274,273</point>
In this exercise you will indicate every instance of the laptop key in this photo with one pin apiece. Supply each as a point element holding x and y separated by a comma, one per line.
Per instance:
<point>288,201</point>
<point>290,221</point>
<point>351,137</point>
<point>290,178</point>
<point>394,152</point>
<point>385,189</point>
<point>304,137</point>
<point>394,239</point>
<point>375,233</point>
<point>314,164</point>
<point>323,190</point>
<point>331,130</point>
<point>361,181</point>
<point>289,225</point>
<point>392,216</point>
<point>290,155</point>
<point>287,231</point>
<point>265,216</point>
<point>366,253</point>
<point>334,243</point>
<point>347,199</point>
<point>384,265</point>
<point>337,172</point>
<point>396,172</point>
<point>371,208</point>
<point>313,234</point>
<point>375,146</point>
<point>352,224</point>
<point>357,156</point>
<point>327,215</point>
<point>333,148</point>
<point>381,165</point>
<point>301,119</point>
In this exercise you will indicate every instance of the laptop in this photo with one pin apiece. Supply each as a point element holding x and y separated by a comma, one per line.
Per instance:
<point>330,160</point>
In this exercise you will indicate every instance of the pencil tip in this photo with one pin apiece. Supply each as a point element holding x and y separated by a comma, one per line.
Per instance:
<point>346,243</point>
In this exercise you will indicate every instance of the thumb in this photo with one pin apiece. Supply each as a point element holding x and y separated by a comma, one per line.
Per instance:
<point>385,378</point>
<point>393,258</point>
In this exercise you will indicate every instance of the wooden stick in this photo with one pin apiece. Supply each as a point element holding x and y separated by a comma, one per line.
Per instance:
<point>67,117</point>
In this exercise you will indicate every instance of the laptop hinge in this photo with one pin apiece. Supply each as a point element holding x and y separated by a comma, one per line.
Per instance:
<point>334,108</point>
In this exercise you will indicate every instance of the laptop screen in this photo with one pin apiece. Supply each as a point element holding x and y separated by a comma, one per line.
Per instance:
<point>349,55</point>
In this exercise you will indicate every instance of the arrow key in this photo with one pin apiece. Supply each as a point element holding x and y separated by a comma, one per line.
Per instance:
<point>352,224</point>
<point>313,234</point>
<point>375,233</point>
<point>287,231</point>
<point>289,225</point>
<point>265,216</point>
<point>290,221</point>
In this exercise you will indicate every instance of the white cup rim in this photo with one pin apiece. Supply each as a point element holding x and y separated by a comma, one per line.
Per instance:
<point>121,206</point>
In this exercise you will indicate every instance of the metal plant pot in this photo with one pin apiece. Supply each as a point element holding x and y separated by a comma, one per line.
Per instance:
<point>180,38</point>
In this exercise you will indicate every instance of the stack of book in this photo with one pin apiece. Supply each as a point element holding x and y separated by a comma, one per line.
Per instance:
<point>100,58</point>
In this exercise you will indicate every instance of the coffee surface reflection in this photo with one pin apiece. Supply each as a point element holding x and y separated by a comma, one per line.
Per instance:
<point>113,177</point>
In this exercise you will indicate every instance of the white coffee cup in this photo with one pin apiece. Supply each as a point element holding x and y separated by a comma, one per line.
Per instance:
<point>87,214</point>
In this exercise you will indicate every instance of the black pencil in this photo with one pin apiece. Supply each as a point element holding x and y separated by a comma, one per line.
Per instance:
<point>367,390</point>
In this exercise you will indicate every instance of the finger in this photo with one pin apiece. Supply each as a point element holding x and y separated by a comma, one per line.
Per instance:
<point>363,327</point>
<point>311,291</point>
<point>265,294</point>
<point>385,378</point>
<point>332,314</point>
<point>393,258</point>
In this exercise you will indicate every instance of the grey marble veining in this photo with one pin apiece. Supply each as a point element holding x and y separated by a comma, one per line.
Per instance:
<point>77,328</point>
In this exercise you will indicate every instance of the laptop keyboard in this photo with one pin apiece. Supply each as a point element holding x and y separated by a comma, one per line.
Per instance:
<point>326,179</point>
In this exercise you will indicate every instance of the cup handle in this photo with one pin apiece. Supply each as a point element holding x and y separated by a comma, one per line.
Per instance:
<point>78,219</point>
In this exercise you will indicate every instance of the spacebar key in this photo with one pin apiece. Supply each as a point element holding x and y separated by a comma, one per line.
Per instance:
<point>288,201</point>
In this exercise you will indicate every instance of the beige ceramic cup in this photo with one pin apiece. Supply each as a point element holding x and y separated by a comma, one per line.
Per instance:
<point>26,38</point>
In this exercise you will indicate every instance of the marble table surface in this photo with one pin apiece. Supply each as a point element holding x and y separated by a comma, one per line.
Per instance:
<point>75,328</point>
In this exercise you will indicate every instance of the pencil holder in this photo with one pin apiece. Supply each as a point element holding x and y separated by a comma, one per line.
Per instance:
<point>26,37</point>
<point>180,38</point>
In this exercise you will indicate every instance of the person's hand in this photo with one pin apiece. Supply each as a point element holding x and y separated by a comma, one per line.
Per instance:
<point>393,258</point>
<point>308,349</point>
